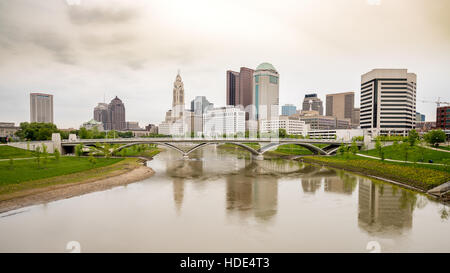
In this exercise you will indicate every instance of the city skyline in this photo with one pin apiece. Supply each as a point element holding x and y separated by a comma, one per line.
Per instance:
<point>79,58</point>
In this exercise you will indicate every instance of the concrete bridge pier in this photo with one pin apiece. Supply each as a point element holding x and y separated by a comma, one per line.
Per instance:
<point>259,157</point>
<point>185,157</point>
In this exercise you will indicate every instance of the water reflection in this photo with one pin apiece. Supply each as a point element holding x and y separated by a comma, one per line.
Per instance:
<point>223,202</point>
<point>384,208</point>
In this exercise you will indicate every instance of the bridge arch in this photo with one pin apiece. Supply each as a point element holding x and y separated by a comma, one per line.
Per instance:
<point>201,145</point>
<point>308,146</point>
<point>168,145</point>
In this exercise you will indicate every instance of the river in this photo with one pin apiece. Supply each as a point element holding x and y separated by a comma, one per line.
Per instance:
<point>222,201</point>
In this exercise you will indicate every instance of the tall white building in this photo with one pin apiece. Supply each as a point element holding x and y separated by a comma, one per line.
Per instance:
<point>388,101</point>
<point>292,126</point>
<point>224,120</point>
<point>176,121</point>
<point>266,92</point>
<point>41,108</point>
<point>178,98</point>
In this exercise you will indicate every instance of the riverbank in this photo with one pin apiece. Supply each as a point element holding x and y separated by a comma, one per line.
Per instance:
<point>41,191</point>
<point>413,177</point>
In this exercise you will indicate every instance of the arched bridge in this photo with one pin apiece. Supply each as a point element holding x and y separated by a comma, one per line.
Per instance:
<point>266,144</point>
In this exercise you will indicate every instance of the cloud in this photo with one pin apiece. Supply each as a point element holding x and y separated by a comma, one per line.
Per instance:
<point>104,14</point>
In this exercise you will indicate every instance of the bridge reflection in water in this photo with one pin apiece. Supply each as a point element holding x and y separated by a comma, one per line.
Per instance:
<point>252,188</point>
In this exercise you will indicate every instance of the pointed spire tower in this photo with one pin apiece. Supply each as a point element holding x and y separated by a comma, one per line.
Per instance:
<point>178,97</point>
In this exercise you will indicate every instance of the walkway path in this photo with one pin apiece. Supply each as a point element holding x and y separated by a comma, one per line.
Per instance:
<point>440,150</point>
<point>401,161</point>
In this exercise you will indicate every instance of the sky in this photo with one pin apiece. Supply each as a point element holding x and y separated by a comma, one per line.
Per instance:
<point>87,51</point>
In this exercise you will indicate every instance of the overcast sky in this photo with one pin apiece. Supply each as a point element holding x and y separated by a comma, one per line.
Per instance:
<point>133,49</point>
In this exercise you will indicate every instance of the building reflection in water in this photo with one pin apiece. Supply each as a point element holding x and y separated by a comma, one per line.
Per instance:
<point>340,182</point>
<point>179,170</point>
<point>384,209</point>
<point>252,196</point>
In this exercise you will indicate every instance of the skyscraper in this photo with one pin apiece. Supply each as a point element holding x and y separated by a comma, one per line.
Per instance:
<point>312,103</point>
<point>200,104</point>
<point>288,109</point>
<point>245,87</point>
<point>116,115</point>
<point>266,92</point>
<point>443,117</point>
<point>101,113</point>
<point>340,105</point>
<point>388,101</point>
<point>41,107</point>
<point>232,88</point>
<point>178,98</point>
<point>240,88</point>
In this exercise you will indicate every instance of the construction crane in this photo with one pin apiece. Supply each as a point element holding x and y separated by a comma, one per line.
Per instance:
<point>438,102</point>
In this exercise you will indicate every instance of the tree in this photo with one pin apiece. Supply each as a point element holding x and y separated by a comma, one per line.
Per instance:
<point>413,137</point>
<point>404,149</point>
<point>36,131</point>
<point>354,148</point>
<point>84,133</point>
<point>341,149</point>
<point>379,148</point>
<point>92,160</point>
<point>282,133</point>
<point>434,137</point>
<point>37,153</point>
<point>79,150</point>
<point>421,150</point>
<point>56,154</point>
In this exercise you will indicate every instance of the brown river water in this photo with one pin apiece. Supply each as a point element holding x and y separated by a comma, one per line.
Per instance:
<point>221,201</point>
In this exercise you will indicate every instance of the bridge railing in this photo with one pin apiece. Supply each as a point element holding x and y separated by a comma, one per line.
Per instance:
<point>241,140</point>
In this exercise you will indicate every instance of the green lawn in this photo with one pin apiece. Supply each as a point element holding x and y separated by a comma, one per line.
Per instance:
<point>292,149</point>
<point>149,152</point>
<point>447,148</point>
<point>414,155</point>
<point>13,152</point>
<point>27,170</point>
<point>420,176</point>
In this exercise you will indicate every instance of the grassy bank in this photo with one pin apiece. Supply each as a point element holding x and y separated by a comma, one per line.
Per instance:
<point>27,170</point>
<point>13,152</point>
<point>421,177</point>
<point>415,154</point>
<point>26,176</point>
<point>147,152</point>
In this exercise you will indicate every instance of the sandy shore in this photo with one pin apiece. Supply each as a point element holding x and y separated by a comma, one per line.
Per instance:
<point>58,192</point>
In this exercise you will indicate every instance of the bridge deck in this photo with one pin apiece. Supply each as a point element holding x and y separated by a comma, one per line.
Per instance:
<point>205,140</point>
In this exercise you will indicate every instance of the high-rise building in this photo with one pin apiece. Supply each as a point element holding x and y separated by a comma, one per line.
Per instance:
<point>312,103</point>
<point>288,109</point>
<point>221,121</point>
<point>388,101</point>
<point>340,105</point>
<point>200,104</point>
<point>116,115</point>
<point>266,92</point>
<point>443,117</point>
<point>293,126</point>
<point>232,88</point>
<point>246,88</point>
<point>178,98</point>
<point>240,88</point>
<point>101,113</point>
<point>41,107</point>
<point>355,117</point>
<point>177,120</point>
<point>420,117</point>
